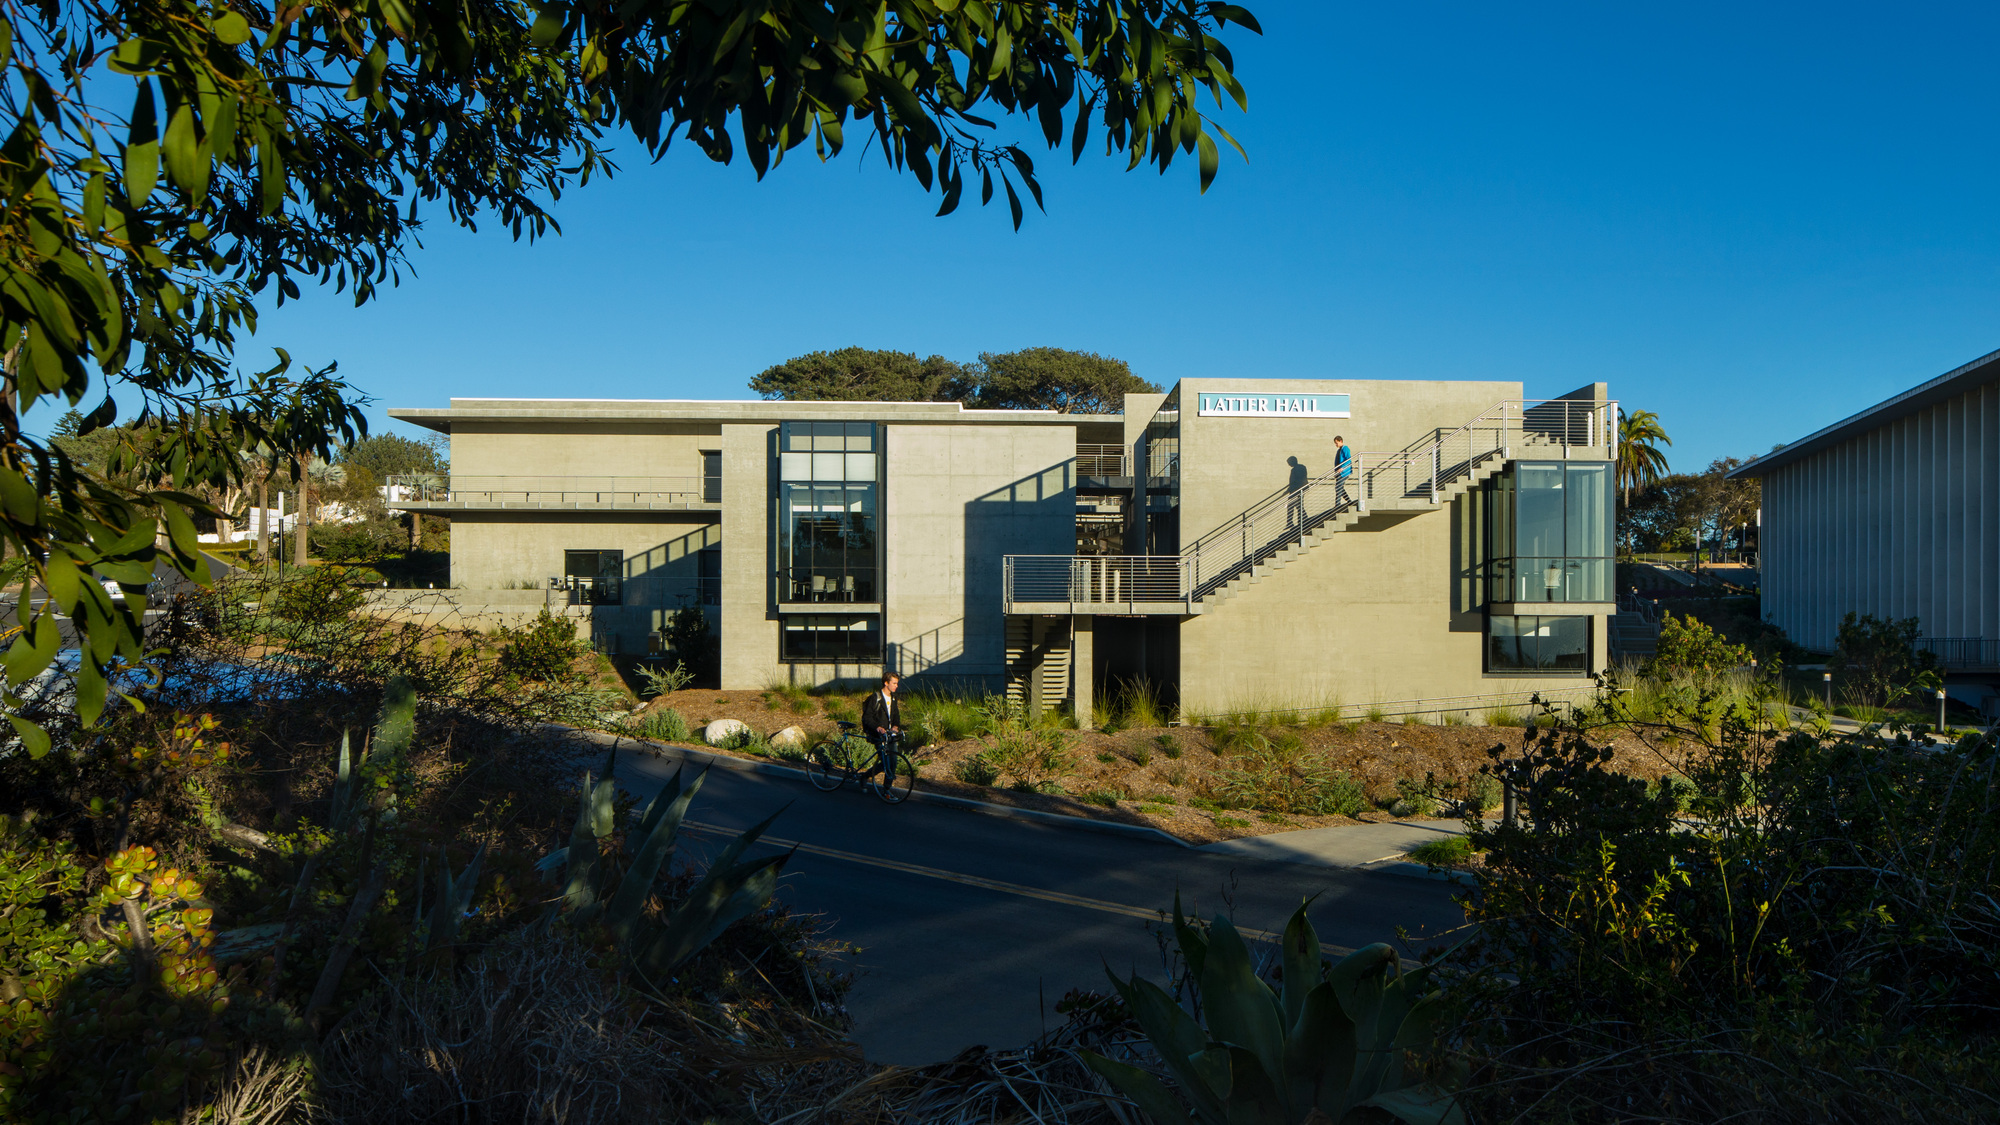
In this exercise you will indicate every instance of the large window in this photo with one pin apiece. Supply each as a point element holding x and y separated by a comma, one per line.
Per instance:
<point>827,512</point>
<point>1538,645</point>
<point>594,577</point>
<point>1549,533</point>
<point>831,638</point>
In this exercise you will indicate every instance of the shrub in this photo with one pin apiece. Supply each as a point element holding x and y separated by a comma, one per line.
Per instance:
<point>665,725</point>
<point>942,717</point>
<point>1876,661</point>
<point>795,698</point>
<point>544,649</point>
<point>1415,798</point>
<point>975,770</point>
<point>662,680</point>
<point>1142,757</point>
<point>1032,758</point>
<point>1688,648</point>
<point>360,541</point>
<point>1278,774</point>
<point>1483,794</point>
<point>1108,798</point>
<point>1820,950</point>
<point>314,595</point>
<point>1168,744</point>
<point>1451,851</point>
<point>1106,756</point>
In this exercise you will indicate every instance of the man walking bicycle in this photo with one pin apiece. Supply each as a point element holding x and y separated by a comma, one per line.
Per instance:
<point>882,722</point>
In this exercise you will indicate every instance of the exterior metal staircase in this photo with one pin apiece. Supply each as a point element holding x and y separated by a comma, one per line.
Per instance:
<point>1281,528</point>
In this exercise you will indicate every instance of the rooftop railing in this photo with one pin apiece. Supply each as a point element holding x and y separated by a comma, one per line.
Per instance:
<point>553,491</point>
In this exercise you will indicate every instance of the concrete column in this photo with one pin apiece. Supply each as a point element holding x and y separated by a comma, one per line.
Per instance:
<point>1083,691</point>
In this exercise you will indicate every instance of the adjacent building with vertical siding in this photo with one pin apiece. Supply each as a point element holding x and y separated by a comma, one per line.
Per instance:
<point>1894,512</point>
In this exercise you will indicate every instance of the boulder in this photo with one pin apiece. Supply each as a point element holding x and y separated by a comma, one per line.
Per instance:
<point>791,738</point>
<point>721,731</point>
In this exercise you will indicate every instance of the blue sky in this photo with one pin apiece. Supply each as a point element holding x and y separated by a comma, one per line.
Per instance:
<point>1753,219</point>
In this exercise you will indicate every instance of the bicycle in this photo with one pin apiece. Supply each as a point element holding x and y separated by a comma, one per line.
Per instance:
<point>832,762</point>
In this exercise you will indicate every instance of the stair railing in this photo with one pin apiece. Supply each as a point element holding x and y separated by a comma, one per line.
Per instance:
<point>1422,473</point>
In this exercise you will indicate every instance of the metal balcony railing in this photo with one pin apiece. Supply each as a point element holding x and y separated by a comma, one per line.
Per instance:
<point>1425,473</point>
<point>1963,652</point>
<point>1096,580</point>
<point>553,491</point>
<point>1098,460</point>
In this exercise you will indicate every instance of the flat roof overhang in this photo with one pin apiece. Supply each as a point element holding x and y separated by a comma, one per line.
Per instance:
<point>711,411</point>
<point>446,507</point>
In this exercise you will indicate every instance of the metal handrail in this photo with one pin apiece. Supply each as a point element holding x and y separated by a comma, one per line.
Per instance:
<point>462,488</point>
<point>1094,459</point>
<point>1962,652</point>
<point>1095,579</point>
<point>1421,474</point>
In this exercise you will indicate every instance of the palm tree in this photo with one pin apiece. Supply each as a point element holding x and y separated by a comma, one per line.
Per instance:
<point>1640,462</point>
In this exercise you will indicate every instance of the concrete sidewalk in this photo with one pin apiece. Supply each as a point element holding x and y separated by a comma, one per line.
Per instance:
<point>1358,845</point>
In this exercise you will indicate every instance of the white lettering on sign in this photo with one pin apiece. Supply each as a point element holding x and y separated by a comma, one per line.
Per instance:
<point>1286,405</point>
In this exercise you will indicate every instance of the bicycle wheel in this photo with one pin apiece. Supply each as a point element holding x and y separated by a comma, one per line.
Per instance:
<point>900,783</point>
<point>823,767</point>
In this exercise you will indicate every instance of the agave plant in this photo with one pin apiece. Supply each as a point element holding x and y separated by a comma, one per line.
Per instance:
<point>597,892</point>
<point>1328,1041</point>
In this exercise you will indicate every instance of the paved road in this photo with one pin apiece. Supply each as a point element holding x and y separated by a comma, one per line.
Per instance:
<point>969,924</point>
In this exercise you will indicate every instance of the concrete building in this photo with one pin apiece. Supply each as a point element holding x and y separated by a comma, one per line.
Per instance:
<point>1894,512</point>
<point>1201,541</point>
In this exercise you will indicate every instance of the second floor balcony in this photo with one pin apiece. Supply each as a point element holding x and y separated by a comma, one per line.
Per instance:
<point>467,492</point>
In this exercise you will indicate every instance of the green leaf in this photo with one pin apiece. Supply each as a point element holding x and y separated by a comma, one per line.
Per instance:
<point>142,150</point>
<point>231,28</point>
<point>1303,971</point>
<point>548,26</point>
<point>18,498</point>
<point>1210,159</point>
<point>33,737</point>
<point>724,895</point>
<point>1146,1091</point>
<point>33,650</point>
<point>187,164</point>
<point>401,20</point>
<point>623,911</point>
<point>1421,1105</point>
<point>1241,1009</point>
<point>90,690</point>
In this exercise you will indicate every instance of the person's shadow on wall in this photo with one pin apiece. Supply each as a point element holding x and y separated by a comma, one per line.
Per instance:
<point>1296,512</point>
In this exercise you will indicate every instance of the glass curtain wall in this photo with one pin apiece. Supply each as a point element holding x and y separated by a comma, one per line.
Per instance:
<point>828,511</point>
<point>1538,645</point>
<point>1549,533</point>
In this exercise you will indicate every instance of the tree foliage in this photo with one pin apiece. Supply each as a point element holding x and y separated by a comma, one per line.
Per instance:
<point>1029,379</point>
<point>1641,461</point>
<point>167,162</point>
<point>1055,379</point>
<point>385,455</point>
<point>859,375</point>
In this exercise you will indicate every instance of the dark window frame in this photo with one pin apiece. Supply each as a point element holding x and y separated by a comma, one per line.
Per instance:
<point>1487,638</point>
<point>869,653</point>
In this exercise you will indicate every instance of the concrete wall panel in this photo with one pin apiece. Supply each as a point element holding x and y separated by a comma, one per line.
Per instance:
<point>957,499</point>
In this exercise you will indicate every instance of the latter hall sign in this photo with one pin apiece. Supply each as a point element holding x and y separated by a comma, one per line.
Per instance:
<point>1272,406</point>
